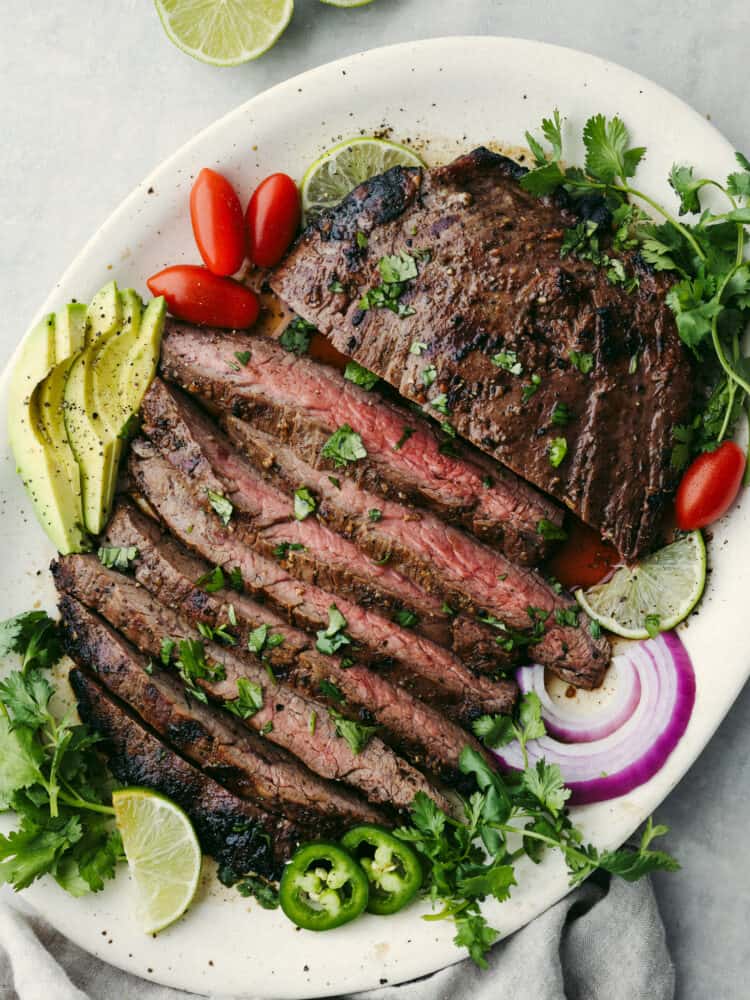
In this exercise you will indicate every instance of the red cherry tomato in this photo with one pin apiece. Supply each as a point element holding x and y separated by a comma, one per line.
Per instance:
<point>709,487</point>
<point>218,226</point>
<point>272,219</point>
<point>584,559</point>
<point>195,294</point>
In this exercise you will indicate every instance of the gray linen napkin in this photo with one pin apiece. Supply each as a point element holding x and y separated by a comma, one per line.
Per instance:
<point>605,941</point>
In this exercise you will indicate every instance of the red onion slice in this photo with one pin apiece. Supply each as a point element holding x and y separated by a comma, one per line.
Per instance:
<point>575,728</point>
<point>616,763</point>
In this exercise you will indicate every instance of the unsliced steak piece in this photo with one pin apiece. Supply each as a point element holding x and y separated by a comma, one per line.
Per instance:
<point>576,358</point>
<point>240,760</point>
<point>304,402</point>
<point>172,495</point>
<point>285,714</point>
<point>232,830</point>
<point>419,731</point>
<point>441,559</point>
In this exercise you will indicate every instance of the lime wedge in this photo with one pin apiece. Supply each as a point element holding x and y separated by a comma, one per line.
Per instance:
<point>164,856</point>
<point>224,32</point>
<point>653,596</point>
<point>342,168</point>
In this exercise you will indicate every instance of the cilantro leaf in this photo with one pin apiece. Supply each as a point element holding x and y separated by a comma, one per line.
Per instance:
<point>558,449</point>
<point>508,361</point>
<point>360,375</point>
<point>344,446</point>
<point>212,580</point>
<point>608,155</point>
<point>296,337</point>
<point>332,638</point>
<point>551,531</point>
<point>304,503</point>
<point>494,730</point>
<point>474,933</point>
<point>356,735</point>
<point>34,636</point>
<point>249,699</point>
<point>545,783</point>
<point>20,760</point>
<point>26,697</point>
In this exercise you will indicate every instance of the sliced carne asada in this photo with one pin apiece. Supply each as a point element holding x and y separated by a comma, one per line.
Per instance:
<point>182,509</point>
<point>239,835</point>
<point>178,579</point>
<point>279,712</point>
<point>442,559</point>
<point>236,757</point>
<point>421,732</point>
<point>193,443</point>
<point>466,573</point>
<point>510,329</point>
<point>304,402</point>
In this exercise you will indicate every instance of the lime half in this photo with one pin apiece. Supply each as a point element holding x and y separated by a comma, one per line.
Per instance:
<point>164,856</point>
<point>342,168</point>
<point>224,32</point>
<point>653,596</point>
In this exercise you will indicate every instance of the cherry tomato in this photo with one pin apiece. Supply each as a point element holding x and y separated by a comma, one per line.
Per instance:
<point>710,486</point>
<point>273,217</point>
<point>194,294</point>
<point>584,559</point>
<point>218,226</point>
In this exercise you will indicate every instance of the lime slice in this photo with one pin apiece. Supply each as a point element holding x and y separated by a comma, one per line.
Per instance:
<point>346,3</point>
<point>342,168</point>
<point>164,856</point>
<point>657,594</point>
<point>224,32</point>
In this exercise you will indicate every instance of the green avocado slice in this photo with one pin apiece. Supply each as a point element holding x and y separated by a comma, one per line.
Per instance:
<point>56,504</point>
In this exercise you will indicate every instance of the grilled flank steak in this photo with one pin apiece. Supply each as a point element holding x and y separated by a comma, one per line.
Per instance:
<point>182,508</point>
<point>525,348</point>
<point>303,402</point>
<point>243,762</point>
<point>284,715</point>
<point>239,835</point>
<point>465,573</point>
<point>416,729</point>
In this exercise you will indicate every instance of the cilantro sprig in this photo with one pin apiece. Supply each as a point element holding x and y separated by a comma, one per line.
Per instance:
<point>711,296</point>
<point>50,774</point>
<point>472,858</point>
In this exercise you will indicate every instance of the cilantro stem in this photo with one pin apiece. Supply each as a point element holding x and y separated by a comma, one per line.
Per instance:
<point>77,803</point>
<point>626,189</point>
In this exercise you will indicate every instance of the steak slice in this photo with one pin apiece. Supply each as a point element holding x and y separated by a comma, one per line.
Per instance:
<point>303,402</point>
<point>285,714</point>
<point>243,762</point>
<point>239,835</point>
<point>414,728</point>
<point>442,559</point>
<point>171,574</point>
<point>194,444</point>
<point>496,283</point>
<point>183,510</point>
<point>467,574</point>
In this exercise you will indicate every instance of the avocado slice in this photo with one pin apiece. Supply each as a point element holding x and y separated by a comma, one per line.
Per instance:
<point>104,312</point>
<point>70,339</point>
<point>104,389</point>
<point>56,505</point>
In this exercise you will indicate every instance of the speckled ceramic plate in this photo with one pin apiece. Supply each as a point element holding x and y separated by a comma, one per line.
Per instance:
<point>444,96</point>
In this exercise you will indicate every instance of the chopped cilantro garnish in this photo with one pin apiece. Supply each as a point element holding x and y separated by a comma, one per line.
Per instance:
<point>118,557</point>
<point>344,446</point>
<point>508,361</point>
<point>360,376</point>
<point>558,449</point>
<point>222,507</point>
<point>296,337</point>
<point>304,503</point>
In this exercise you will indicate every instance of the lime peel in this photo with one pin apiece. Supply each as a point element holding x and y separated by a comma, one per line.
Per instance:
<point>664,588</point>
<point>224,32</point>
<point>164,856</point>
<point>343,167</point>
